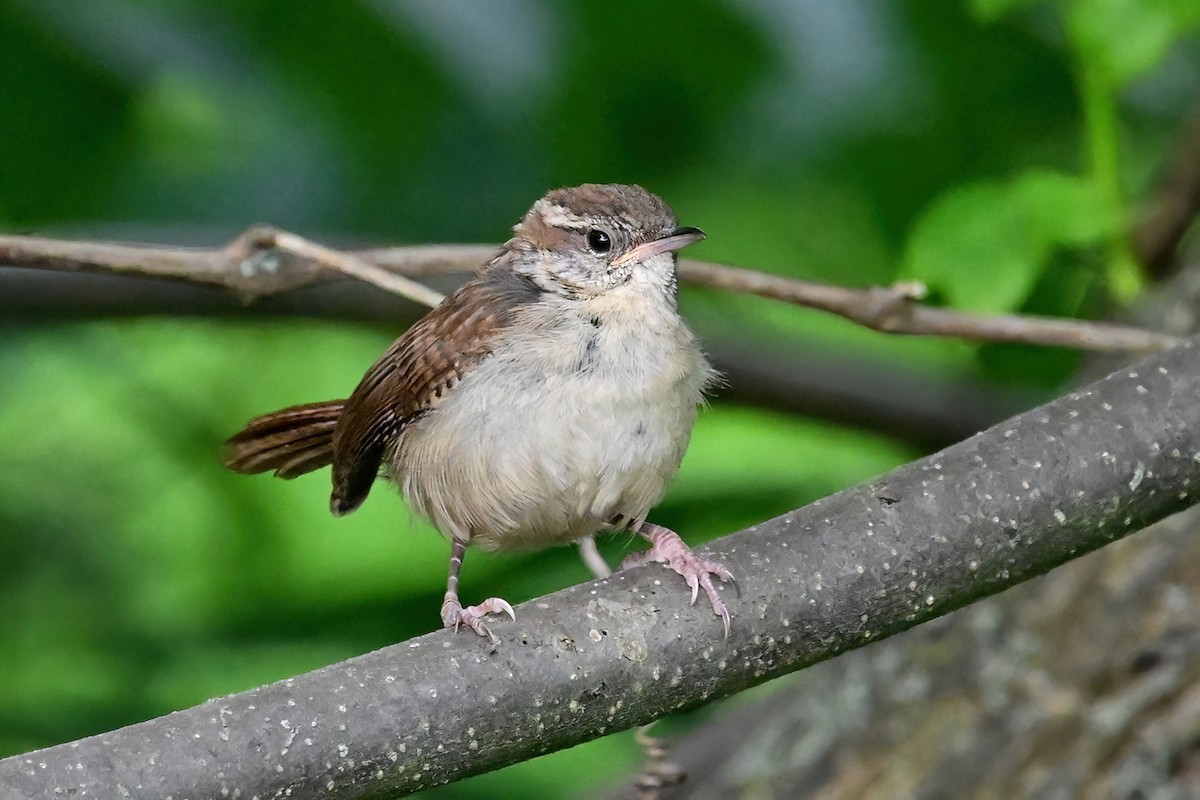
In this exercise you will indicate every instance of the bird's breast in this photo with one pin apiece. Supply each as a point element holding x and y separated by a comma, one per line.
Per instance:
<point>574,418</point>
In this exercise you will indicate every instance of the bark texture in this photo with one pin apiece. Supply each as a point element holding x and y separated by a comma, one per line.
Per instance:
<point>1082,683</point>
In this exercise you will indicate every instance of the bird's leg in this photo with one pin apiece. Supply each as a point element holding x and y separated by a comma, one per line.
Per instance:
<point>666,547</point>
<point>453,613</point>
<point>592,558</point>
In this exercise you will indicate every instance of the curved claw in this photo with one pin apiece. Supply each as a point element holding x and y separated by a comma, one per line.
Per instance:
<point>667,548</point>
<point>497,604</point>
<point>454,615</point>
<point>714,597</point>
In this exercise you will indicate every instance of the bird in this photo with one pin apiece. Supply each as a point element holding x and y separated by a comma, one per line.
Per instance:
<point>549,398</point>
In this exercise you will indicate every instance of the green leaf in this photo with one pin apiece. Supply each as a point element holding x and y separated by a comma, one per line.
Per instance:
<point>1058,209</point>
<point>970,247</point>
<point>984,245</point>
<point>1128,38</point>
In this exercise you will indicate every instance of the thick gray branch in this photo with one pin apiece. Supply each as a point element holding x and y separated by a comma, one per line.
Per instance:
<point>927,538</point>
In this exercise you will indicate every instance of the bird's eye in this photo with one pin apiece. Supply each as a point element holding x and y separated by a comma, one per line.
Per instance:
<point>599,241</point>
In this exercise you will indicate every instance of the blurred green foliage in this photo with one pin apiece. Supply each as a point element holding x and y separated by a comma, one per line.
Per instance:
<point>995,149</point>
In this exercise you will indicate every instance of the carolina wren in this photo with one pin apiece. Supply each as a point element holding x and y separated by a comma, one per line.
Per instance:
<point>551,397</point>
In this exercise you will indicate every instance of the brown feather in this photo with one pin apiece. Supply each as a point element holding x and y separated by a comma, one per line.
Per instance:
<point>291,442</point>
<point>419,368</point>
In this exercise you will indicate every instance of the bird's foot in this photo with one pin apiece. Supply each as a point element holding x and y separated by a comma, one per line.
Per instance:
<point>454,615</point>
<point>667,548</point>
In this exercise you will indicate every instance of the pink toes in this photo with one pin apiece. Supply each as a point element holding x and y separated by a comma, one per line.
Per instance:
<point>666,547</point>
<point>454,615</point>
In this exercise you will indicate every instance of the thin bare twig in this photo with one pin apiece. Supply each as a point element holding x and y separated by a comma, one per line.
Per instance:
<point>260,262</point>
<point>264,261</point>
<point>355,267</point>
<point>895,310</point>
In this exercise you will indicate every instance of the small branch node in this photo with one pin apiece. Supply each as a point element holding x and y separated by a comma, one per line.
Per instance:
<point>259,267</point>
<point>889,308</point>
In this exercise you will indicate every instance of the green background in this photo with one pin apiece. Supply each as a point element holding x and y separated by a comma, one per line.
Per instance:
<point>998,150</point>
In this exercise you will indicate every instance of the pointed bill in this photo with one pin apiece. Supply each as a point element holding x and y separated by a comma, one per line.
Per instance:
<point>676,239</point>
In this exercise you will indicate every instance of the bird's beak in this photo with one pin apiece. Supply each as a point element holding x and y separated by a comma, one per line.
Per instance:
<point>676,239</point>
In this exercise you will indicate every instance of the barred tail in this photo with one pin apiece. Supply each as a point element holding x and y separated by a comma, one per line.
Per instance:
<point>291,442</point>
